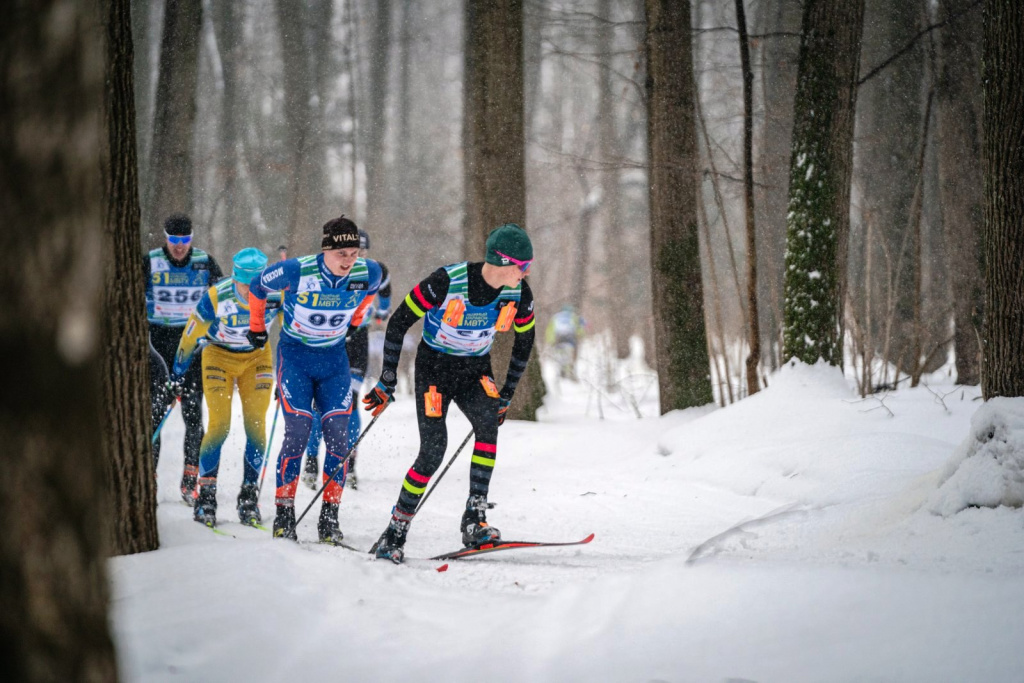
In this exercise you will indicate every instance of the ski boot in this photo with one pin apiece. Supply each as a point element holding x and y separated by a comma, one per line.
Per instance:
<point>391,542</point>
<point>188,484</point>
<point>327,527</point>
<point>205,509</point>
<point>310,472</point>
<point>475,530</point>
<point>248,505</point>
<point>284,523</point>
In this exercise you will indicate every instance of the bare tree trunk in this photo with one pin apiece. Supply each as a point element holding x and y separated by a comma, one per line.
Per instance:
<point>53,582</point>
<point>960,181</point>
<point>917,366</point>
<point>493,134</point>
<point>493,152</point>
<point>716,303</point>
<point>170,175</point>
<point>227,22</point>
<point>819,179</point>
<point>680,338</point>
<point>374,120</point>
<point>623,322</point>
<point>306,209</point>
<point>1003,346</point>
<point>778,78</point>
<point>351,57</point>
<point>754,338</point>
<point>126,411</point>
<point>143,71</point>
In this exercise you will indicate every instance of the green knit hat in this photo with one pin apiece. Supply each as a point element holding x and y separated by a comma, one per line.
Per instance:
<point>510,240</point>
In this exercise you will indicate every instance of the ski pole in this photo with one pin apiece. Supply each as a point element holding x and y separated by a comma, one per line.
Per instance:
<point>337,469</point>
<point>156,432</point>
<point>438,480</point>
<point>270,444</point>
<point>458,450</point>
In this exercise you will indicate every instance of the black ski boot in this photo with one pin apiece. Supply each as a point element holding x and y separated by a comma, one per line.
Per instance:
<point>248,505</point>
<point>310,471</point>
<point>391,542</point>
<point>475,530</point>
<point>188,484</point>
<point>205,509</point>
<point>284,523</point>
<point>351,481</point>
<point>328,525</point>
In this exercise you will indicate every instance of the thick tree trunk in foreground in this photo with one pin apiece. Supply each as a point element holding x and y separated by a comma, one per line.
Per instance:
<point>1003,348</point>
<point>126,413</point>
<point>493,155</point>
<point>679,335</point>
<point>53,583</point>
<point>819,180</point>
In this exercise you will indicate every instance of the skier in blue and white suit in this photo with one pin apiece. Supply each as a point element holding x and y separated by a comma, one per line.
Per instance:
<point>325,296</point>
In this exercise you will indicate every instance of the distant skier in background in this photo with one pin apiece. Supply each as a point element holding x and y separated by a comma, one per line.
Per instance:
<point>462,305</point>
<point>358,348</point>
<point>324,295</point>
<point>221,320</point>
<point>177,275</point>
<point>563,335</point>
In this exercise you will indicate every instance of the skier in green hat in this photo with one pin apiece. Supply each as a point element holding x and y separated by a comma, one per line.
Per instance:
<point>462,306</point>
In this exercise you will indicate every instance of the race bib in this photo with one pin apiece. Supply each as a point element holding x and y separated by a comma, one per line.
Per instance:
<point>176,302</point>
<point>468,341</point>
<point>320,323</point>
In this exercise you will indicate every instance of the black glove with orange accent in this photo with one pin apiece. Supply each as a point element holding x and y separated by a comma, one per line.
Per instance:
<point>382,393</point>
<point>503,404</point>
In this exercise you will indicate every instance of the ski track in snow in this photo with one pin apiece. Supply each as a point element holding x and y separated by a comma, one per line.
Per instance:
<point>781,539</point>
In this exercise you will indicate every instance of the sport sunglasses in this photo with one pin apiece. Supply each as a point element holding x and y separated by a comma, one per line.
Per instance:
<point>523,265</point>
<point>178,239</point>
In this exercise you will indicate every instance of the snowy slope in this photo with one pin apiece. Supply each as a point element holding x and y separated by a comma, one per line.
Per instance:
<point>786,538</point>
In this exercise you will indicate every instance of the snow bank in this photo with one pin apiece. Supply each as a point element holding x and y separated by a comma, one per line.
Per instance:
<point>987,469</point>
<point>820,380</point>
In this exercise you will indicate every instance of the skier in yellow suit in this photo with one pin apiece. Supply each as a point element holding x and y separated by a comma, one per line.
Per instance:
<point>221,319</point>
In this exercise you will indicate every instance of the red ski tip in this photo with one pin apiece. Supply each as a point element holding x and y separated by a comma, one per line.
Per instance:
<point>443,567</point>
<point>588,539</point>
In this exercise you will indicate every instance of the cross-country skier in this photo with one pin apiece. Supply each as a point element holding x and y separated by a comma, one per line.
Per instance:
<point>463,305</point>
<point>323,295</point>
<point>563,336</point>
<point>221,319</point>
<point>358,348</point>
<point>177,275</point>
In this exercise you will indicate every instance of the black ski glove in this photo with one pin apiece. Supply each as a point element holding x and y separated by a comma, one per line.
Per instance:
<point>257,339</point>
<point>503,404</point>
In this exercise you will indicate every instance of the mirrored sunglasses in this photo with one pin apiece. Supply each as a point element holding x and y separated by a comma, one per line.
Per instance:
<point>523,265</point>
<point>178,239</point>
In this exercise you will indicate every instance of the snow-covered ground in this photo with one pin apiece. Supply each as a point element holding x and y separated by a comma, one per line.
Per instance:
<point>794,536</point>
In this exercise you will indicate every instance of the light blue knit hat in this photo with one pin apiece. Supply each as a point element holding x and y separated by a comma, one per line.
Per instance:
<point>247,264</point>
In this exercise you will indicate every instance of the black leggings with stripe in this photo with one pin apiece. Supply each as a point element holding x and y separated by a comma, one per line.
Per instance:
<point>458,379</point>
